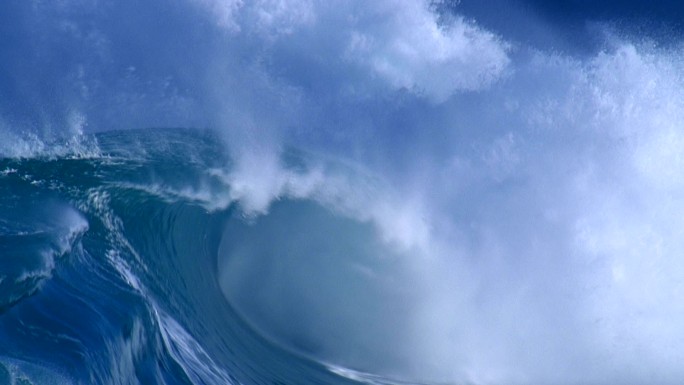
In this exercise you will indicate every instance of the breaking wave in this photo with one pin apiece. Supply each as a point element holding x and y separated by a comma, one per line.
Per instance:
<point>378,192</point>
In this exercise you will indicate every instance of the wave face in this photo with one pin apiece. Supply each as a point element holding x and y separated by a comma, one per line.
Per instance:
<point>110,270</point>
<point>338,192</point>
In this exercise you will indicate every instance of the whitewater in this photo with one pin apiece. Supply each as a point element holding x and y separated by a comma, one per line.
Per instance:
<point>341,192</point>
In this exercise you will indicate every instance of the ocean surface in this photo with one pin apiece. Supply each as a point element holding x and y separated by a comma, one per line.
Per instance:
<point>379,192</point>
<point>110,269</point>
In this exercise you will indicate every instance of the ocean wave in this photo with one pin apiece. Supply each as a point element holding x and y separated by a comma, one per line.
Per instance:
<point>388,191</point>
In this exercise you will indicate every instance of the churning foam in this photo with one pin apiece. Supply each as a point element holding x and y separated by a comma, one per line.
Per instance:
<point>546,240</point>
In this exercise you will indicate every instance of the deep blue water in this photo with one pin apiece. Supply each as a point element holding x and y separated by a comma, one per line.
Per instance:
<point>109,272</point>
